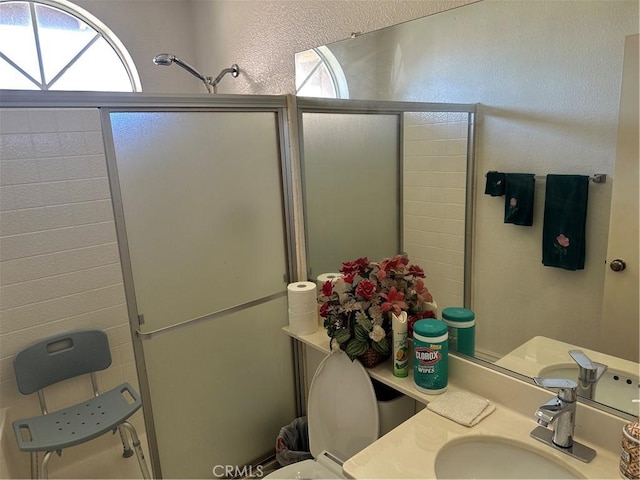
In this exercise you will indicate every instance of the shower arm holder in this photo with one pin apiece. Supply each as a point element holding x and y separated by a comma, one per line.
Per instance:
<point>212,83</point>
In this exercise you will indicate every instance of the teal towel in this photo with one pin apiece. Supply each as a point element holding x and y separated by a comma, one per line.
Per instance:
<point>565,217</point>
<point>495,184</point>
<point>519,197</point>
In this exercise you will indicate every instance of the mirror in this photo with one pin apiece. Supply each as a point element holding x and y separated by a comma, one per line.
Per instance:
<point>547,78</point>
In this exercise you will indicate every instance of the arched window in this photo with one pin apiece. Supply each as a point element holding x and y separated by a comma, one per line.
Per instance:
<point>319,74</point>
<point>55,45</point>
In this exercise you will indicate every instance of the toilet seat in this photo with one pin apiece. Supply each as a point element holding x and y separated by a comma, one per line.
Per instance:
<point>343,418</point>
<point>342,411</point>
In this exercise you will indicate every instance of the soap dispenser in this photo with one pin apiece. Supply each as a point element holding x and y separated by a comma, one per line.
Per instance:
<point>630,452</point>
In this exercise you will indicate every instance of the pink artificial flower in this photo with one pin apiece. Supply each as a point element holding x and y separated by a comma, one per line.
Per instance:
<point>416,271</point>
<point>394,301</point>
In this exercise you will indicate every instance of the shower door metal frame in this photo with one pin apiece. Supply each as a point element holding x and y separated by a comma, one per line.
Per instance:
<point>107,102</point>
<point>276,105</point>
<point>381,107</point>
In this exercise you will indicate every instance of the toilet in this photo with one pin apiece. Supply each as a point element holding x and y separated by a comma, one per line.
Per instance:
<point>343,418</point>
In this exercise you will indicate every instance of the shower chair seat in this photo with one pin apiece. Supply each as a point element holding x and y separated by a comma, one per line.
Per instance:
<point>59,358</point>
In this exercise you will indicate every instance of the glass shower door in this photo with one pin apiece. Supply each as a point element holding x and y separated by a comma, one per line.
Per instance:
<point>200,202</point>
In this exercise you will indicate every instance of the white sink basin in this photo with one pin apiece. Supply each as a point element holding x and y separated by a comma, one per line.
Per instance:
<point>616,389</point>
<point>497,458</point>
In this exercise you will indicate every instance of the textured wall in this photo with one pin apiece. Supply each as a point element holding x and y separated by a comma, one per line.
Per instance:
<point>263,36</point>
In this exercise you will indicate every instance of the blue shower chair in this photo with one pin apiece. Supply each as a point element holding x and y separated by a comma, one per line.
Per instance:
<point>59,358</point>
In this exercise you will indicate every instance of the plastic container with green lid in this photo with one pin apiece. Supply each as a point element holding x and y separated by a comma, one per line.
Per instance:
<point>461,323</point>
<point>430,351</point>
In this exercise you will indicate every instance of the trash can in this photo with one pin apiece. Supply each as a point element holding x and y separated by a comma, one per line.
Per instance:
<point>292,444</point>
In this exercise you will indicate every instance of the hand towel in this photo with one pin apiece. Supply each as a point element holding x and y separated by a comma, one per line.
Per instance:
<point>519,193</point>
<point>462,407</point>
<point>565,218</point>
<point>495,184</point>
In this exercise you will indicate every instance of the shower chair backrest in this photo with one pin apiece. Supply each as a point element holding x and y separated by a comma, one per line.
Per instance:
<point>61,357</point>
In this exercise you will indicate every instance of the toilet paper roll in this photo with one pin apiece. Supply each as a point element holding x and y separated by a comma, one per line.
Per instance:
<point>321,279</point>
<point>327,277</point>
<point>303,323</point>
<point>302,297</point>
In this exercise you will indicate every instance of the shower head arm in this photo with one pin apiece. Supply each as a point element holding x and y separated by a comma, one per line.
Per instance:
<point>210,83</point>
<point>233,70</point>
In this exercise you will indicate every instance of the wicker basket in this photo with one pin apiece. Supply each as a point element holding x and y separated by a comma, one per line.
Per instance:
<point>371,358</point>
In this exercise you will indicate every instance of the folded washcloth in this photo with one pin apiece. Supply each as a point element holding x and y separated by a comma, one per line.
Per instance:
<point>462,407</point>
<point>518,205</point>
<point>495,184</point>
<point>565,217</point>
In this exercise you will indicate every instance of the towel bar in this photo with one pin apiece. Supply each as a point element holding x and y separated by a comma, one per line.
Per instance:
<point>596,178</point>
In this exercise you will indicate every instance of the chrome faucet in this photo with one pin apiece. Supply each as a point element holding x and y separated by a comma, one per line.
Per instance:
<point>560,411</point>
<point>590,373</point>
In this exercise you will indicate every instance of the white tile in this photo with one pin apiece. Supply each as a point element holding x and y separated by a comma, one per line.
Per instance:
<point>14,172</point>
<point>7,202</point>
<point>40,266</point>
<point>52,169</point>
<point>94,143</point>
<point>46,145</point>
<point>456,147</point>
<point>76,120</point>
<point>86,166</point>
<point>42,120</point>
<point>92,212</point>
<point>19,294</point>
<point>88,189</point>
<point>63,239</point>
<point>91,120</point>
<point>46,218</point>
<point>10,223</point>
<point>59,308</point>
<point>55,193</point>
<point>14,120</point>
<point>16,146</point>
<point>73,143</point>
<point>24,196</point>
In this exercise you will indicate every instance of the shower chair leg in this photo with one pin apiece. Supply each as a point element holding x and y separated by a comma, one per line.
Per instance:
<point>127,452</point>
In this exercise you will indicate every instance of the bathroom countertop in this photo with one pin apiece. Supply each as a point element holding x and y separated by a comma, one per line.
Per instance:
<point>540,352</point>
<point>409,450</point>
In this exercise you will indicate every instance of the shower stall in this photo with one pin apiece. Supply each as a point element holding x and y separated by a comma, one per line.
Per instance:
<point>207,195</point>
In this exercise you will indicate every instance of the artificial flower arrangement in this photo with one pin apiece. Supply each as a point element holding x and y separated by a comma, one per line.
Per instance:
<point>357,306</point>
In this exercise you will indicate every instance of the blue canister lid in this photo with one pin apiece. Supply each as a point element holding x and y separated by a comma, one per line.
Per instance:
<point>430,327</point>
<point>457,314</point>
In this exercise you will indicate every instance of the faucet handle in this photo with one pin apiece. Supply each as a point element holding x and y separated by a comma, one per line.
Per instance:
<point>567,389</point>
<point>589,371</point>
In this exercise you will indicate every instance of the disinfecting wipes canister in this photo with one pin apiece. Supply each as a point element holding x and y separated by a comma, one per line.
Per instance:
<point>430,350</point>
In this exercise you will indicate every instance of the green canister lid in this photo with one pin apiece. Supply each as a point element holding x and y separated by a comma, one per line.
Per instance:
<point>430,327</point>
<point>457,314</point>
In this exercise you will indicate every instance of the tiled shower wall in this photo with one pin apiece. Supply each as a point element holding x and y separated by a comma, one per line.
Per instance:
<point>59,263</point>
<point>435,162</point>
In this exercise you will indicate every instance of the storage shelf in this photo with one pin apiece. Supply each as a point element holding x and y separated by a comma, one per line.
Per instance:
<point>383,372</point>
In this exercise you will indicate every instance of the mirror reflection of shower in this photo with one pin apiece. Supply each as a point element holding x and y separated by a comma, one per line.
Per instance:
<point>166,59</point>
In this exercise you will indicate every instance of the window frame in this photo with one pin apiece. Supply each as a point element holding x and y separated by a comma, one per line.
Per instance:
<point>99,27</point>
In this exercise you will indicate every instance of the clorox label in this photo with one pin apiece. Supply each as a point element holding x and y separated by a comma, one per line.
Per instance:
<point>426,356</point>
